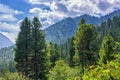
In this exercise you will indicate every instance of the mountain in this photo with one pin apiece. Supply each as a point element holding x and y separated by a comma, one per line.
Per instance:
<point>4,41</point>
<point>64,29</point>
<point>7,59</point>
<point>112,27</point>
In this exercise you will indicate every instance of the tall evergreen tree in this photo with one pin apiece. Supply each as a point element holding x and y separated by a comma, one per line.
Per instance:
<point>82,21</point>
<point>83,38</point>
<point>55,53</point>
<point>107,49</point>
<point>23,48</point>
<point>39,58</point>
<point>71,52</point>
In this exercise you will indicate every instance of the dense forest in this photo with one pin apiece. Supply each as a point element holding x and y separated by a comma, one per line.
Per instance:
<point>93,53</point>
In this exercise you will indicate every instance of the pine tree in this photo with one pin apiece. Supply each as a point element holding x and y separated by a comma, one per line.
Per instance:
<point>71,52</point>
<point>107,49</point>
<point>82,21</point>
<point>54,53</point>
<point>83,38</point>
<point>23,48</point>
<point>39,58</point>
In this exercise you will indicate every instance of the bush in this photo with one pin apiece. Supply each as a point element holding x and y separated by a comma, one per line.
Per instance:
<point>13,76</point>
<point>62,71</point>
<point>109,71</point>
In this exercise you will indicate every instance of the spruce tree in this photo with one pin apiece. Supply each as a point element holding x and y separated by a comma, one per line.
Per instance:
<point>54,53</point>
<point>39,58</point>
<point>23,47</point>
<point>83,38</point>
<point>71,52</point>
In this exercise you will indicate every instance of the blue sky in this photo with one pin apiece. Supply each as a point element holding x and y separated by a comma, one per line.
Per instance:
<point>49,11</point>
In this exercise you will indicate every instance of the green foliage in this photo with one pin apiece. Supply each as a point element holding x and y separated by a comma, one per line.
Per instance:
<point>54,52</point>
<point>30,51</point>
<point>35,59</point>
<point>111,26</point>
<point>107,49</point>
<point>7,60</point>
<point>6,54</point>
<point>71,52</point>
<point>85,35</point>
<point>82,21</point>
<point>39,56</point>
<point>108,71</point>
<point>13,76</point>
<point>23,47</point>
<point>62,71</point>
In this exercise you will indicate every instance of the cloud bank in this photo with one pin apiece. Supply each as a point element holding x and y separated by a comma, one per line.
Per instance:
<point>8,25</point>
<point>60,9</point>
<point>7,13</point>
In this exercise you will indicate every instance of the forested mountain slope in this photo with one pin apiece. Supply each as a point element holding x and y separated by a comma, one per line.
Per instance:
<point>7,59</point>
<point>66,28</point>
<point>112,27</point>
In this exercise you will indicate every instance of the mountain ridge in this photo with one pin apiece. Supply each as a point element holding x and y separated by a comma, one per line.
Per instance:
<point>64,29</point>
<point>4,41</point>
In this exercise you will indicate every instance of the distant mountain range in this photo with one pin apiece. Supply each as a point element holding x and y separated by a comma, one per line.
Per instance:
<point>4,41</point>
<point>64,29</point>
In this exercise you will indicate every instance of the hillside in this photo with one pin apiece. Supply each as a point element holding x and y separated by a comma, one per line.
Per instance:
<point>4,41</point>
<point>112,27</point>
<point>7,59</point>
<point>66,28</point>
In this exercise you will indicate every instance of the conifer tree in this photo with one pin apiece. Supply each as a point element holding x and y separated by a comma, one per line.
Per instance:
<point>83,38</point>
<point>23,47</point>
<point>39,58</point>
<point>71,52</point>
<point>107,49</point>
<point>55,53</point>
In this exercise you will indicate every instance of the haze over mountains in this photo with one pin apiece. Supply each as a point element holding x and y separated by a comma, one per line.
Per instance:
<point>4,41</point>
<point>66,28</point>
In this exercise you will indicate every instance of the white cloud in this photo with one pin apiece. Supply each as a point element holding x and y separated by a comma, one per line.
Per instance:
<point>7,9</point>
<point>33,1</point>
<point>60,9</point>
<point>8,14</point>
<point>8,25</point>
<point>40,1</point>
<point>35,10</point>
<point>9,30</point>
<point>18,12</point>
<point>49,16</point>
<point>7,17</point>
<point>5,27</point>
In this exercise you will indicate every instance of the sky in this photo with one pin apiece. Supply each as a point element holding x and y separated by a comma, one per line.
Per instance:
<point>12,12</point>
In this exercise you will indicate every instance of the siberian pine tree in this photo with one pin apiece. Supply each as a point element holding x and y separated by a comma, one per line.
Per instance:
<point>83,38</point>
<point>23,47</point>
<point>107,49</point>
<point>39,58</point>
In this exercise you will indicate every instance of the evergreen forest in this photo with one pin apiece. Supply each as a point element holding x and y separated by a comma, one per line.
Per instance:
<point>92,53</point>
